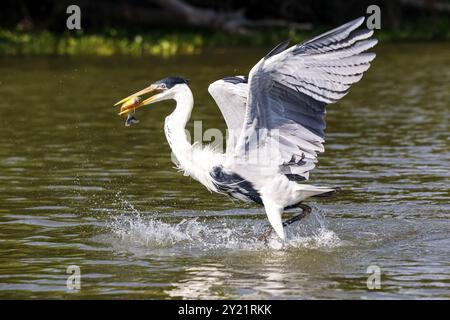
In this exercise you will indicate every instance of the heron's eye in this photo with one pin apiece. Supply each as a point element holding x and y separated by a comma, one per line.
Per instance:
<point>163,86</point>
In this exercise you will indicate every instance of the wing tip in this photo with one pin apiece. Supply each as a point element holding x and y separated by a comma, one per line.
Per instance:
<point>370,56</point>
<point>359,21</point>
<point>278,48</point>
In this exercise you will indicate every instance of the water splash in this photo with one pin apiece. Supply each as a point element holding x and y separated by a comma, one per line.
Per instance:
<point>321,238</point>
<point>210,233</point>
<point>155,233</point>
<point>124,204</point>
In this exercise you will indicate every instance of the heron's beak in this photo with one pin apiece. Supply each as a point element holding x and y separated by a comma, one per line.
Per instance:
<point>134,102</point>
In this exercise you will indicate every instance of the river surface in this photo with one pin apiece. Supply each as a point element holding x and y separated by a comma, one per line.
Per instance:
<point>78,188</point>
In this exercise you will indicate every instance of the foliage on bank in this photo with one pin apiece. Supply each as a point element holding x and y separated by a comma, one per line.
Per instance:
<point>169,43</point>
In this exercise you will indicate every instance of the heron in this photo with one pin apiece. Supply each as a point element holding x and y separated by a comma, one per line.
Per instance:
<point>275,118</point>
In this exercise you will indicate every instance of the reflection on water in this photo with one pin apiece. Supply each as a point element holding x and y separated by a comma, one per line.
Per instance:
<point>203,282</point>
<point>77,187</point>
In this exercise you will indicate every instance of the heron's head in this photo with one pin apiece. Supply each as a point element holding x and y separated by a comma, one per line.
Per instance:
<point>161,90</point>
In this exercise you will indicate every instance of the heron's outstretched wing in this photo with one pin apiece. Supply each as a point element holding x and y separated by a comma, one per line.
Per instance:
<point>230,95</point>
<point>288,92</point>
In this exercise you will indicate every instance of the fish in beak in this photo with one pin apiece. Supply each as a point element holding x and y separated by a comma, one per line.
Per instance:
<point>129,108</point>
<point>135,101</point>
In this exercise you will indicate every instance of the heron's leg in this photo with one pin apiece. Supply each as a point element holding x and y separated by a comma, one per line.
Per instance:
<point>306,210</point>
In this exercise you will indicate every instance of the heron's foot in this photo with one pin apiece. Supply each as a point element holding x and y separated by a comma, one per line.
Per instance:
<point>306,210</point>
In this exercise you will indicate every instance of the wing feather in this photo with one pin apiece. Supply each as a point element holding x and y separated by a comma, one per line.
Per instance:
<point>288,92</point>
<point>230,95</point>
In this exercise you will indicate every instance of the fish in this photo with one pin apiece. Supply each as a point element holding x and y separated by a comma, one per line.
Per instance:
<point>131,119</point>
<point>129,108</point>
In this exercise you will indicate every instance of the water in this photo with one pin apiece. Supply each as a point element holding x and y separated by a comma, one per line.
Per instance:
<point>78,188</point>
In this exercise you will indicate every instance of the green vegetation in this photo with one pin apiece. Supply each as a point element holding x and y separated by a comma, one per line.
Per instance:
<point>23,43</point>
<point>169,43</point>
<point>161,43</point>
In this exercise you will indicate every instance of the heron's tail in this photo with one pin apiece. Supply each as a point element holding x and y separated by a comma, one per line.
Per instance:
<point>328,194</point>
<point>306,191</point>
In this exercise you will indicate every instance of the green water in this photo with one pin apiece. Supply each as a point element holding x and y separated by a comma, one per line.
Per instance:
<point>78,188</point>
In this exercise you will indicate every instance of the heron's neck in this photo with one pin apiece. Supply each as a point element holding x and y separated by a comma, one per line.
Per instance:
<point>176,123</point>
<point>191,160</point>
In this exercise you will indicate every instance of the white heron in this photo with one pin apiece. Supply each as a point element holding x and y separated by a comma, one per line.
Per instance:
<point>275,118</point>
